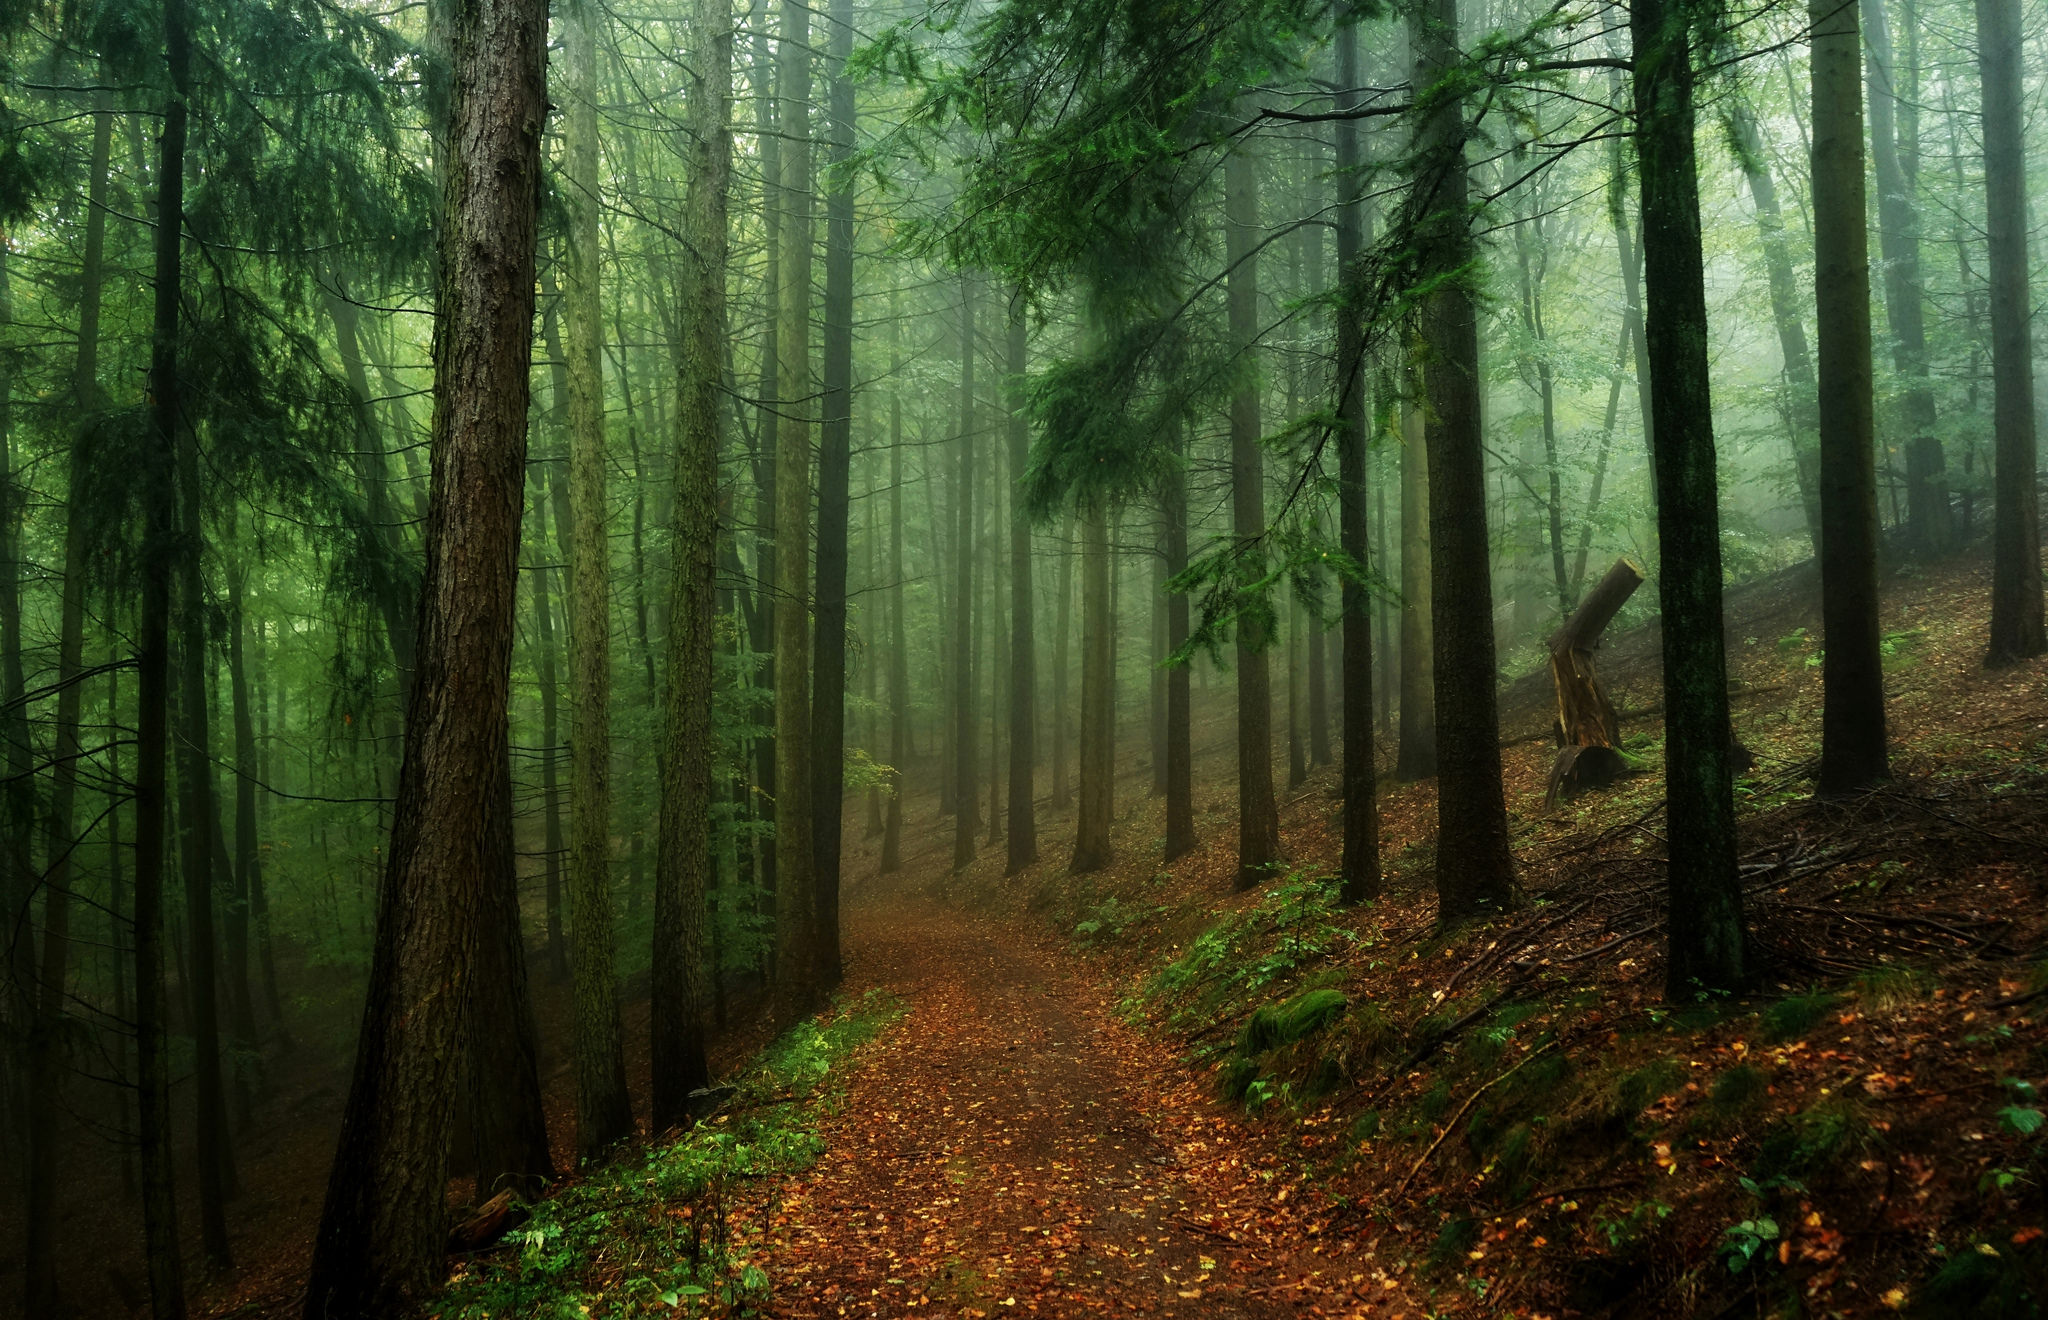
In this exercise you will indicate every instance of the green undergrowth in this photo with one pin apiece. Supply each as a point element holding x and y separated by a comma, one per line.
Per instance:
<point>652,1233</point>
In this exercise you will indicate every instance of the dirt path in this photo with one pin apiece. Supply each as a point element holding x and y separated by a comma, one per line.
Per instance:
<point>1012,1146</point>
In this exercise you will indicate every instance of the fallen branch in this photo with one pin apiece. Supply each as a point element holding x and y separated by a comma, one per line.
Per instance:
<point>1466,1108</point>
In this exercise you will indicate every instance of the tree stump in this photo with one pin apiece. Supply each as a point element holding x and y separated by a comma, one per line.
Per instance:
<point>1587,728</point>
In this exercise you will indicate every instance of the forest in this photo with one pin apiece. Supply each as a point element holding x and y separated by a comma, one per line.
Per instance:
<point>1234,658</point>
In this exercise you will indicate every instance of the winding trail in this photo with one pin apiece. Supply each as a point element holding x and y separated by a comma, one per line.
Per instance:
<point>1011,1145</point>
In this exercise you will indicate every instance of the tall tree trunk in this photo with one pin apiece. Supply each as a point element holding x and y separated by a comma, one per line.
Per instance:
<point>965,798</point>
<point>1930,525</point>
<point>680,991</point>
<point>767,132</point>
<point>1706,939</point>
<point>1258,816</point>
<point>604,1108</point>
<point>1062,648</point>
<point>382,1227</point>
<point>19,880</point>
<point>1631,284</point>
<point>196,804</point>
<point>247,855</point>
<point>1092,851</point>
<point>1852,712</point>
<point>2016,606</point>
<point>1415,757</point>
<point>1474,870</point>
<point>796,935</point>
<point>1180,772</point>
<point>899,649</point>
<point>550,736</point>
<point>508,1123</point>
<point>1802,403</point>
<point>835,450</point>
<point>1531,257</point>
<point>45,1080</point>
<point>1361,862</point>
<point>1023,634</point>
<point>152,670</point>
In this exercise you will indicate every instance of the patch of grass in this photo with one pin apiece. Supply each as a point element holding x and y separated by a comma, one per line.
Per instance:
<point>628,1210</point>
<point>1889,989</point>
<point>1459,1234</point>
<point>1283,1024</point>
<point>1639,1088</point>
<point>1986,1282</point>
<point>1738,1090</point>
<point>1804,1146</point>
<point>1790,1019</point>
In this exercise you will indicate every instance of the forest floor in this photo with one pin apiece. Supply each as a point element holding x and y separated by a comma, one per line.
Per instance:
<point>1136,1091</point>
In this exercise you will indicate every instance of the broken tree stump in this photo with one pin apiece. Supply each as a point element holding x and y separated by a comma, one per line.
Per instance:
<point>1588,729</point>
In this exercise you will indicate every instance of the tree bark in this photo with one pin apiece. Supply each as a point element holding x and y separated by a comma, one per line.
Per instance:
<point>835,445</point>
<point>604,1108</point>
<point>899,649</point>
<point>508,1123</point>
<point>2016,605</point>
<point>1852,711</point>
<point>1415,757</point>
<point>1258,815</point>
<point>1707,941</point>
<point>1092,849</point>
<point>1474,870</point>
<point>196,804</point>
<point>966,803</point>
<point>383,1225</point>
<point>1588,729</point>
<point>1930,525</point>
<point>550,732</point>
<point>796,934</point>
<point>1802,404</point>
<point>680,991</point>
<point>1023,841</point>
<point>1360,866</point>
<point>1062,648</point>
<point>152,667</point>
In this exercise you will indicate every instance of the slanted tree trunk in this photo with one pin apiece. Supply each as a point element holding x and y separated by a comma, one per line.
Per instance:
<point>1023,840</point>
<point>680,990</point>
<point>796,933</point>
<point>1802,405</point>
<point>604,1108</point>
<point>2016,606</point>
<point>383,1225</point>
<point>1474,871</point>
<point>1092,851</point>
<point>1258,815</point>
<point>1852,712</point>
<point>1930,526</point>
<point>508,1125</point>
<point>1588,729</point>
<point>1707,941</point>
